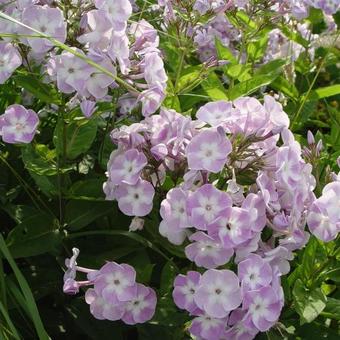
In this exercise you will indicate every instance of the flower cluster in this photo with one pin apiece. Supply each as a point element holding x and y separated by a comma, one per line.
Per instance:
<point>225,305</point>
<point>215,214</point>
<point>115,294</point>
<point>109,45</point>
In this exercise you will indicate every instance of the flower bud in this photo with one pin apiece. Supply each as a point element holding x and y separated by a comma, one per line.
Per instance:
<point>310,138</point>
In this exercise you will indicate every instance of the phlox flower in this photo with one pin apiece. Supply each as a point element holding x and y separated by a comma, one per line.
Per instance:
<point>102,308</point>
<point>207,251</point>
<point>18,125</point>
<point>206,204</point>
<point>47,20</point>
<point>209,150</point>
<point>218,293</point>
<point>141,308</point>
<point>116,283</point>
<point>324,216</point>
<point>127,167</point>
<point>135,200</point>
<point>254,273</point>
<point>185,287</point>
<point>10,60</point>
<point>263,307</point>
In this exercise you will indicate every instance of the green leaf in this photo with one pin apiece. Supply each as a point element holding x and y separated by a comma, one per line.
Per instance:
<point>249,86</point>
<point>29,299</point>
<point>240,72</point>
<point>308,259</point>
<point>167,277</point>
<point>334,275</point>
<point>332,309</point>
<point>9,322</point>
<point>224,53</point>
<point>272,67</point>
<point>283,85</point>
<point>213,87</point>
<point>133,236</point>
<point>80,214</point>
<point>308,303</point>
<point>40,90</point>
<point>190,78</point>
<point>91,189</point>
<point>35,235</point>
<point>79,136</point>
<point>41,160</point>
<point>325,92</point>
<point>256,49</point>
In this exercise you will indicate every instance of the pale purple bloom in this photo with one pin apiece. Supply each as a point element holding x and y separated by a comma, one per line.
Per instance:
<point>71,265</point>
<point>235,191</point>
<point>238,330</point>
<point>174,208</point>
<point>72,72</point>
<point>256,208</point>
<point>310,138</point>
<point>263,308</point>
<point>327,6</point>
<point>207,251</point>
<point>245,249</point>
<point>289,166</point>
<point>175,234</point>
<point>126,103</point>
<point>184,290</point>
<point>142,307</point>
<point>215,113</point>
<point>207,328</point>
<point>253,118</point>
<point>49,21</point>
<point>146,36</point>
<point>218,293</point>
<point>159,151</point>
<point>109,190</point>
<point>206,204</point>
<point>151,99</point>
<point>116,283</point>
<point>88,107</point>
<point>101,308</point>
<point>18,125</point>
<point>135,200</point>
<point>99,30</point>
<point>254,273</point>
<point>118,11</point>
<point>202,6</point>
<point>71,287</point>
<point>277,116</point>
<point>296,239</point>
<point>208,150</point>
<point>127,167</point>
<point>279,257</point>
<point>119,50</point>
<point>232,227</point>
<point>154,72</point>
<point>324,216</point>
<point>97,84</point>
<point>10,60</point>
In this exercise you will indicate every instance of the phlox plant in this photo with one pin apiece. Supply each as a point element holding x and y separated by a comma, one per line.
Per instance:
<point>170,169</point>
